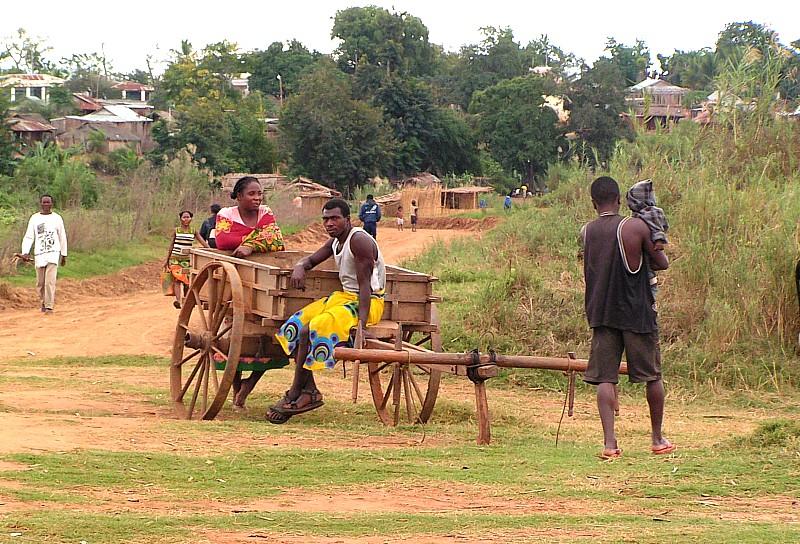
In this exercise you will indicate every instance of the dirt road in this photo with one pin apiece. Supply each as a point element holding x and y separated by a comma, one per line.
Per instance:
<point>122,316</point>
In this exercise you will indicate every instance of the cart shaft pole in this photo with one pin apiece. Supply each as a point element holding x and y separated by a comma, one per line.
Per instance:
<point>463,359</point>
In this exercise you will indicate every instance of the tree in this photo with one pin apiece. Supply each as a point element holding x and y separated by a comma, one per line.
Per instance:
<point>482,65</point>
<point>332,137</point>
<point>452,147</point>
<point>191,77</point>
<point>540,52</point>
<point>520,131</point>
<point>691,69</point>
<point>395,42</point>
<point>737,38</point>
<point>27,53</point>
<point>89,72</point>
<point>8,146</point>
<point>633,61</point>
<point>224,140</point>
<point>289,62</point>
<point>597,101</point>
<point>428,138</point>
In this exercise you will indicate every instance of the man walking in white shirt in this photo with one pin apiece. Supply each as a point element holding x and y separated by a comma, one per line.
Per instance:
<point>48,239</point>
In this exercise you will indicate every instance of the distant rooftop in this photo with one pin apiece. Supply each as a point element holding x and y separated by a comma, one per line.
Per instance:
<point>30,80</point>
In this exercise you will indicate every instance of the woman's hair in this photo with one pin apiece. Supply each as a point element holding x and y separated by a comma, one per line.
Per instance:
<point>241,183</point>
<point>185,211</point>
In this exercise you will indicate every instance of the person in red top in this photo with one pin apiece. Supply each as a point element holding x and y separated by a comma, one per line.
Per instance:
<point>249,227</point>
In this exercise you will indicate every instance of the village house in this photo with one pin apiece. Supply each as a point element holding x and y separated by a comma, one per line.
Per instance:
<point>33,86</point>
<point>656,102</point>
<point>119,124</point>
<point>30,129</point>
<point>134,91</point>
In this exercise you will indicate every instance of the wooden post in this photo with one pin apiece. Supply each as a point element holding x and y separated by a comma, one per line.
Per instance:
<point>359,343</point>
<point>478,375</point>
<point>482,409</point>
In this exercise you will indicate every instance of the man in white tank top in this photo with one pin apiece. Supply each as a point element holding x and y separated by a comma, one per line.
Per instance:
<point>312,334</point>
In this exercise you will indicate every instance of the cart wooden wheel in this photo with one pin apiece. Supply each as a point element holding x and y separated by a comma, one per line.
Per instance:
<point>410,388</point>
<point>197,388</point>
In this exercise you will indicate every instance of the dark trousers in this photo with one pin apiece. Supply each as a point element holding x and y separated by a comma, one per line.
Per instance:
<point>372,229</point>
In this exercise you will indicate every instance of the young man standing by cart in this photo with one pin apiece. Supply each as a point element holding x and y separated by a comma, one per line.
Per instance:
<point>312,334</point>
<point>620,310</point>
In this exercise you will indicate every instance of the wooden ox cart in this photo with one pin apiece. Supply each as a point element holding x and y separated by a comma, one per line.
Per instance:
<point>234,306</point>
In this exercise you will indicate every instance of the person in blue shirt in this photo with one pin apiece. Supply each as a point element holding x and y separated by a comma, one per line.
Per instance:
<point>507,203</point>
<point>370,214</point>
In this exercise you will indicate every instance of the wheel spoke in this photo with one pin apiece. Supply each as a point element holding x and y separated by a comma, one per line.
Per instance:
<point>221,333</point>
<point>396,395</point>
<point>199,306</point>
<point>185,359</point>
<point>216,378</point>
<point>424,369</point>
<point>417,389</point>
<point>212,297</point>
<point>191,377</point>
<point>388,392</point>
<point>377,371</point>
<point>216,349</point>
<point>410,409</point>
<point>206,371</point>
<point>196,387</point>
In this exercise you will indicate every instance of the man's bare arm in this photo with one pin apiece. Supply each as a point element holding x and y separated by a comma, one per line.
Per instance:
<point>298,279</point>
<point>636,237</point>
<point>365,252</point>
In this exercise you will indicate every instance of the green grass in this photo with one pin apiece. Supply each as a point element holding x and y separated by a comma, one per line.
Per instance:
<point>82,265</point>
<point>689,497</point>
<point>581,527</point>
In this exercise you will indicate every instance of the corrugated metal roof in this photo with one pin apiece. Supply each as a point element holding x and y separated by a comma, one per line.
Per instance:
<point>29,80</point>
<point>29,125</point>
<point>132,86</point>
<point>112,114</point>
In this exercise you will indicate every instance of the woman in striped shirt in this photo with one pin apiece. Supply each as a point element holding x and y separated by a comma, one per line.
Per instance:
<point>178,256</point>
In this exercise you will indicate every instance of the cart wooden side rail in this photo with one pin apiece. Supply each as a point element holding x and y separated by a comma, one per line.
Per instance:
<point>479,367</point>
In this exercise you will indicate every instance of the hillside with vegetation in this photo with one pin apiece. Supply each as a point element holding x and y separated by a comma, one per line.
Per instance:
<point>728,306</point>
<point>388,102</point>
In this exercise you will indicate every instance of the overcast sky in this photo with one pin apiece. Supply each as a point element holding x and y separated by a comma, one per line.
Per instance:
<point>131,30</point>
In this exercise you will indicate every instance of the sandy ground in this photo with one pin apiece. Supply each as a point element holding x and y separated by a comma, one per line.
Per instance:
<point>75,407</point>
<point>91,320</point>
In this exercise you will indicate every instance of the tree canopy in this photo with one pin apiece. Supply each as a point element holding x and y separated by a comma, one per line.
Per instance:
<point>520,131</point>
<point>332,137</point>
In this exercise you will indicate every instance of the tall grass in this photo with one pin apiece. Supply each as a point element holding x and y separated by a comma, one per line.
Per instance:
<point>143,203</point>
<point>728,307</point>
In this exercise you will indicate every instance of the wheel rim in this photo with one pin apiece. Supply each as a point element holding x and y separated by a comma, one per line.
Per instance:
<point>198,389</point>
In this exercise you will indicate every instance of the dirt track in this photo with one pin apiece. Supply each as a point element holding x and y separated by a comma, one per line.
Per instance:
<point>126,313</point>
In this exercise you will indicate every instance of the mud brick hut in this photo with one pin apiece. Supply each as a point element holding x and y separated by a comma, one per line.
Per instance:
<point>463,198</point>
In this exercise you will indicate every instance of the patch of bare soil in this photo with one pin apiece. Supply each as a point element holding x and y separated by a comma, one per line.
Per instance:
<point>485,537</point>
<point>129,280</point>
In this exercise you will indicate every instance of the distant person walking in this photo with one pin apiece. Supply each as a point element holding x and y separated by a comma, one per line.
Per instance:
<point>620,310</point>
<point>208,230</point>
<point>370,214</point>
<point>399,218</point>
<point>47,237</point>
<point>414,215</point>
<point>177,263</point>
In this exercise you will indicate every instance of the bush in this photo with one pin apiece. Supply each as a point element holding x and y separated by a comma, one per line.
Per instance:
<point>48,169</point>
